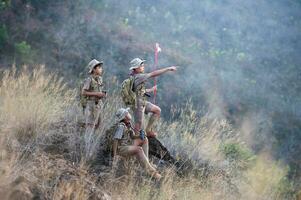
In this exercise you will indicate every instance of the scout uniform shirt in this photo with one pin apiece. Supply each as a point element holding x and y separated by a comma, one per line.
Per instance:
<point>124,135</point>
<point>94,104</point>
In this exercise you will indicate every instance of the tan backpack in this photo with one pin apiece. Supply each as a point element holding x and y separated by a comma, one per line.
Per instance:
<point>82,98</point>
<point>108,138</point>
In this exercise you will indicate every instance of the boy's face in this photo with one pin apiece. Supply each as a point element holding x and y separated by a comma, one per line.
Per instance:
<point>140,69</point>
<point>98,70</point>
<point>128,117</point>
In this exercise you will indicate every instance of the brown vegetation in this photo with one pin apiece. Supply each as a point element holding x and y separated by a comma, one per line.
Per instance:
<point>41,151</point>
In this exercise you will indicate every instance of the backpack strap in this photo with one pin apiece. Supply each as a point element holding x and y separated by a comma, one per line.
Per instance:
<point>121,123</point>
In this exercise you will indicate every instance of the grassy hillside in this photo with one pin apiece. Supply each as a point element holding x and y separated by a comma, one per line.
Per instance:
<point>42,152</point>
<point>236,90</point>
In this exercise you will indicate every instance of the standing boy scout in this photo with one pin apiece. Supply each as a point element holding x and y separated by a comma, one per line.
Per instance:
<point>142,105</point>
<point>123,143</point>
<point>92,90</point>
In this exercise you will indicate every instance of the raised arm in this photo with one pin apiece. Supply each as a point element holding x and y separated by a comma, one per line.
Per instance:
<point>162,71</point>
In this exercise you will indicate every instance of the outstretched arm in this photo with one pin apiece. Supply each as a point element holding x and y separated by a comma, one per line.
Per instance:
<point>162,71</point>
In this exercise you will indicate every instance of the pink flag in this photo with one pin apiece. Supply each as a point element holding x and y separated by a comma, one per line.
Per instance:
<point>157,50</point>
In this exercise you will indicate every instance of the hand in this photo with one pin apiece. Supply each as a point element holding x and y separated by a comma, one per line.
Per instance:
<point>104,94</point>
<point>172,68</point>
<point>101,94</point>
<point>154,88</point>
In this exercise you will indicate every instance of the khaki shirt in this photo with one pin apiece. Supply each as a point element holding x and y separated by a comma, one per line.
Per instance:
<point>124,135</point>
<point>93,84</point>
<point>139,87</point>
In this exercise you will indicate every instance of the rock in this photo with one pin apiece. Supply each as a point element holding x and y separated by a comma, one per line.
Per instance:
<point>157,149</point>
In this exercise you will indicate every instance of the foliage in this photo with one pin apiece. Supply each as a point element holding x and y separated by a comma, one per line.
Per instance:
<point>42,151</point>
<point>286,189</point>
<point>24,52</point>
<point>236,60</point>
<point>3,35</point>
<point>237,152</point>
<point>4,4</point>
<point>265,178</point>
<point>239,156</point>
<point>30,101</point>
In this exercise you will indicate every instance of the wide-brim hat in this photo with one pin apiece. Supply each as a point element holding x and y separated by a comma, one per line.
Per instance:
<point>121,113</point>
<point>92,64</point>
<point>135,63</point>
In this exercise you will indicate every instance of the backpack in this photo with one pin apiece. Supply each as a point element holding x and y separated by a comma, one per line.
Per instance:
<point>82,98</point>
<point>107,140</point>
<point>127,93</point>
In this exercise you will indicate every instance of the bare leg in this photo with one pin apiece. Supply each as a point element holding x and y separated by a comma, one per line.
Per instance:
<point>156,112</point>
<point>139,153</point>
<point>139,118</point>
<point>144,144</point>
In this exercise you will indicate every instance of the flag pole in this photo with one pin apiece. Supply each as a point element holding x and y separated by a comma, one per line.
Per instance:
<point>157,49</point>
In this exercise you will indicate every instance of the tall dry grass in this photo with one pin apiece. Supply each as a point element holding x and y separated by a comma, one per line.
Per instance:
<point>37,110</point>
<point>31,101</point>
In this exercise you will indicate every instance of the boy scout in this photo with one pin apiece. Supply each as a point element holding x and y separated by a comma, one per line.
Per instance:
<point>92,90</point>
<point>142,106</point>
<point>123,143</point>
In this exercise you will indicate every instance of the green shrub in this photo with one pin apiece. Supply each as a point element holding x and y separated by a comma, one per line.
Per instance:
<point>286,189</point>
<point>241,156</point>
<point>3,35</point>
<point>23,48</point>
<point>24,52</point>
<point>4,4</point>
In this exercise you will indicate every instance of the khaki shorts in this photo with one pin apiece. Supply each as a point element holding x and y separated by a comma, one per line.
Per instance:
<point>141,110</point>
<point>124,150</point>
<point>93,113</point>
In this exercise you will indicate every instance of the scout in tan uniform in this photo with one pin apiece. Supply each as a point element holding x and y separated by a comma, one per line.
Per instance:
<point>142,106</point>
<point>93,92</point>
<point>123,142</point>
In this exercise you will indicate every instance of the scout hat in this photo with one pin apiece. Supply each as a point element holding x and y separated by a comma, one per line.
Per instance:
<point>121,113</point>
<point>135,63</point>
<point>92,64</point>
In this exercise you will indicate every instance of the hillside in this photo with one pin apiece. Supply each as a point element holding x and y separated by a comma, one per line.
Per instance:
<point>237,84</point>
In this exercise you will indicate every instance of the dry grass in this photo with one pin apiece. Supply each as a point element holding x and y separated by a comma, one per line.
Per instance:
<point>31,101</point>
<point>42,156</point>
